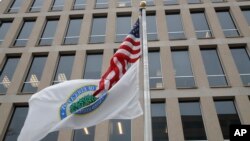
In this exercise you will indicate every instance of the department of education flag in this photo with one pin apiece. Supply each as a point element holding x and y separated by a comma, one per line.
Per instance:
<point>76,104</point>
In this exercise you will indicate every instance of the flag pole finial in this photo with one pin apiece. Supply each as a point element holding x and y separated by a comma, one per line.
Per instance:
<point>143,4</point>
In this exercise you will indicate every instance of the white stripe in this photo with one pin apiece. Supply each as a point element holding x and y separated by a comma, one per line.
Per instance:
<point>125,52</point>
<point>133,37</point>
<point>119,65</point>
<point>110,75</point>
<point>131,45</point>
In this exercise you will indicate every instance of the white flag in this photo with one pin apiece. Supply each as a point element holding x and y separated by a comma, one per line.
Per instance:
<point>51,109</point>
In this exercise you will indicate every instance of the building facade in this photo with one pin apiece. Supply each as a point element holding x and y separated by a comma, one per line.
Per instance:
<point>199,63</point>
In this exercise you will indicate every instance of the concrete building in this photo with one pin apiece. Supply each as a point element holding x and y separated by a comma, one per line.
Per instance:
<point>199,59</point>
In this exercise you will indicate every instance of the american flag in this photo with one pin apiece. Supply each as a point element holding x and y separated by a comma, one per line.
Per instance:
<point>129,52</point>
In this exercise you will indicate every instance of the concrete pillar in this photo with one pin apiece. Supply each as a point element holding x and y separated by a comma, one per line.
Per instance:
<point>242,105</point>
<point>6,110</point>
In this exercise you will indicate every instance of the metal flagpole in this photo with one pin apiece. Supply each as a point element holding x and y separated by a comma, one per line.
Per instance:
<point>147,100</point>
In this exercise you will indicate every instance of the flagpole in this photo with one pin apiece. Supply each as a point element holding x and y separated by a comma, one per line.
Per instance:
<point>147,100</point>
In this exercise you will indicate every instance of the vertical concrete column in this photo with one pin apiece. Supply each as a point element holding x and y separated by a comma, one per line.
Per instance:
<point>49,70</point>
<point>61,30</point>
<point>2,60</point>
<point>6,110</point>
<point>85,28</point>
<point>20,73</point>
<point>242,105</point>
<point>198,66</point>
<point>161,25</point>
<point>137,128</point>
<point>91,4</point>
<point>210,119</point>
<point>227,63</point>
<point>78,66</point>
<point>102,131</point>
<point>4,4</point>
<point>65,135</point>
<point>240,21</point>
<point>68,4</point>
<point>25,6</point>
<point>110,27</point>
<point>187,23</point>
<point>175,130</point>
<point>214,22</point>
<point>47,5</point>
<point>36,31</point>
<point>167,68</point>
<point>10,37</point>
<point>112,4</point>
<point>107,54</point>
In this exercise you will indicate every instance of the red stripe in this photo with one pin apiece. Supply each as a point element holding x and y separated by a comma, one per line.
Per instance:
<point>132,41</point>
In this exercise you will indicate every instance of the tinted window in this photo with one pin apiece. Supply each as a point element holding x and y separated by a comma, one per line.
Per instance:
<point>183,72</point>
<point>123,3</point>
<point>159,122</point>
<point>247,16</point>
<point>101,4</point>
<point>16,123</point>
<point>64,68</point>
<point>155,74</point>
<point>242,61</point>
<point>194,1</point>
<point>15,6</point>
<point>36,6</point>
<point>123,26</point>
<point>227,116</point>
<point>93,66</point>
<point>120,130</point>
<point>57,5</point>
<point>151,27</point>
<point>34,75</point>
<point>170,2</point>
<point>227,24</point>
<point>86,134</point>
<point>202,29</point>
<point>192,122</point>
<point>24,34</point>
<point>48,33</point>
<point>215,73</point>
<point>98,30</point>
<point>4,28</point>
<point>7,72</point>
<point>73,32</point>
<point>174,25</point>
<point>79,4</point>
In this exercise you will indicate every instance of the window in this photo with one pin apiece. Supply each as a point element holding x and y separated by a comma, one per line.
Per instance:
<point>6,73</point>
<point>86,134</point>
<point>242,61</point>
<point>159,122</point>
<point>174,25</point>
<point>79,4</point>
<point>101,4</point>
<point>93,66</point>
<point>73,31</point>
<point>16,123</point>
<point>151,27</point>
<point>98,30</point>
<point>150,2</point>
<point>4,28</point>
<point>215,73</point>
<point>57,5</point>
<point>170,2</point>
<point>119,130</point>
<point>201,26</point>
<point>192,122</point>
<point>36,6</point>
<point>64,68</point>
<point>183,72</point>
<point>155,74</point>
<point>227,24</point>
<point>48,33</point>
<point>194,1</point>
<point>123,26</point>
<point>246,13</point>
<point>227,115</point>
<point>34,75</point>
<point>15,6</point>
<point>24,34</point>
<point>214,1</point>
<point>123,3</point>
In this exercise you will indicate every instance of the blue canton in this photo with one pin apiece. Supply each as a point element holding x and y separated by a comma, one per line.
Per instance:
<point>135,30</point>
